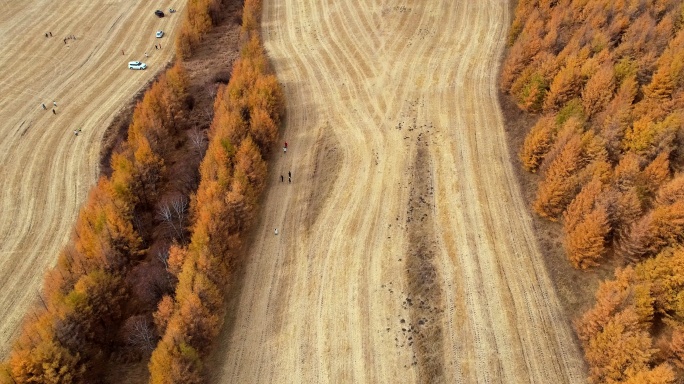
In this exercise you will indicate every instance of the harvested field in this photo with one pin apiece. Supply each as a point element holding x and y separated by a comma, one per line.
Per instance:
<point>46,169</point>
<point>405,251</point>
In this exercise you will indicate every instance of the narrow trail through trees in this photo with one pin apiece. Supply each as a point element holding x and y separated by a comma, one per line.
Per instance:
<point>394,133</point>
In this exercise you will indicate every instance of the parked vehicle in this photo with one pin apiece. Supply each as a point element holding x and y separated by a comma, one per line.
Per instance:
<point>136,65</point>
<point>159,33</point>
<point>159,13</point>
<point>171,10</point>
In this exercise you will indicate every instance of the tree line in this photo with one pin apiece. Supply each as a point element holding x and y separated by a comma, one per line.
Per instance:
<point>607,81</point>
<point>199,18</point>
<point>103,299</point>
<point>85,298</point>
<point>247,113</point>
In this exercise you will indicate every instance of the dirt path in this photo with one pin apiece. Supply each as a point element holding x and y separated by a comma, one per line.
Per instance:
<point>45,169</point>
<point>405,251</point>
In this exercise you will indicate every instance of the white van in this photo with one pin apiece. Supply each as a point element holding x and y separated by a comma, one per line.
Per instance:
<point>136,65</point>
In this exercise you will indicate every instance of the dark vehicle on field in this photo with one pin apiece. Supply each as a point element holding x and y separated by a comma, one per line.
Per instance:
<point>159,13</point>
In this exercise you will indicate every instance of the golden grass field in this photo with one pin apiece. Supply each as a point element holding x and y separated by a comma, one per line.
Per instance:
<point>405,250</point>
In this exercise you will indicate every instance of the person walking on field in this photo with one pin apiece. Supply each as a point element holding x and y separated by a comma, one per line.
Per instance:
<point>54,103</point>
<point>43,105</point>
<point>281,178</point>
<point>276,231</point>
<point>53,111</point>
<point>289,176</point>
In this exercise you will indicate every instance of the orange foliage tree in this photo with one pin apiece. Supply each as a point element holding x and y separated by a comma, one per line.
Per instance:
<point>661,227</point>
<point>197,21</point>
<point>585,244</point>
<point>671,192</point>
<point>537,143</point>
<point>586,226</point>
<point>560,183</point>
<point>614,332</point>
<point>565,85</point>
<point>599,90</point>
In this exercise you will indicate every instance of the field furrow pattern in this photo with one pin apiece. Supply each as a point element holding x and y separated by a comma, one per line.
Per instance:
<point>416,192</point>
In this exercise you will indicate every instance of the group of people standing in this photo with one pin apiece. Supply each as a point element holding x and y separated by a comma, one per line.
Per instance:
<point>282,178</point>
<point>289,173</point>
<point>156,46</point>
<point>54,104</point>
<point>70,37</point>
<point>289,177</point>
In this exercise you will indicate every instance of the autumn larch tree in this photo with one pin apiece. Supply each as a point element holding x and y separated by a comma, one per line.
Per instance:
<point>560,184</point>
<point>538,143</point>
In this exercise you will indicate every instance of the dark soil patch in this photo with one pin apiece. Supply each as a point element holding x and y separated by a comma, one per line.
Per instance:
<point>425,302</point>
